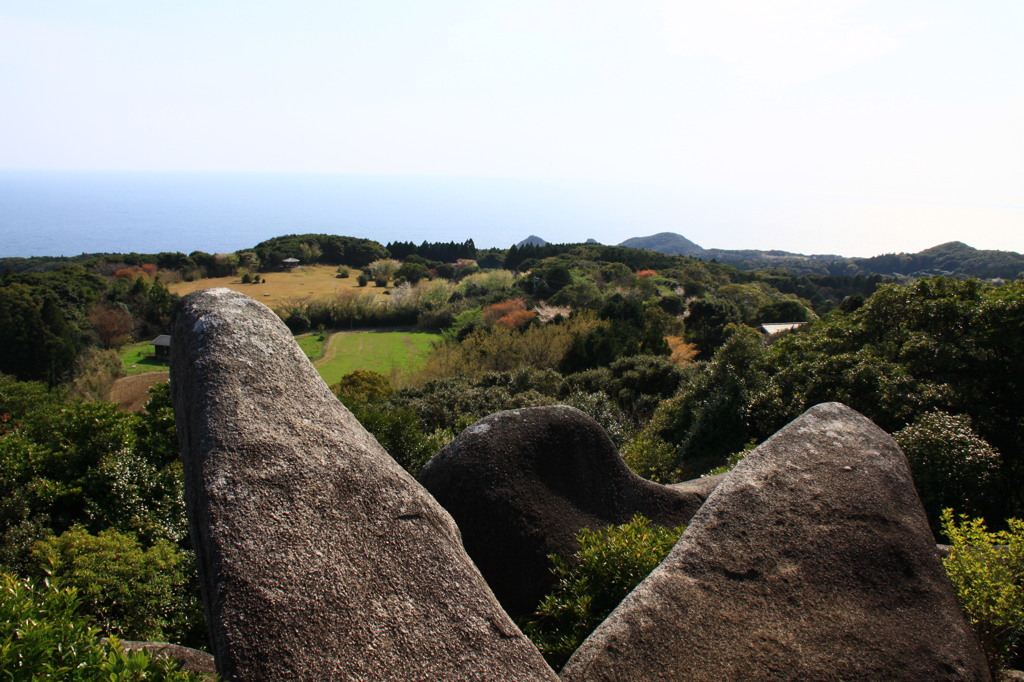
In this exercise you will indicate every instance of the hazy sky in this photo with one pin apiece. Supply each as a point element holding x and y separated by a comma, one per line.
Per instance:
<point>815,126</point>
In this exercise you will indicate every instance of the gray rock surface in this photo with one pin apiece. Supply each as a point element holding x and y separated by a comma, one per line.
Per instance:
<point>522,483</point>
<point>700,486</point>
<point>319,557</point>
<point>190,660</point>
<point>813,560</point>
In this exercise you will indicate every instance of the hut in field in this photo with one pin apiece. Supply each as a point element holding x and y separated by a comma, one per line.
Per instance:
<point>162,346</point>
<point>773,329</point>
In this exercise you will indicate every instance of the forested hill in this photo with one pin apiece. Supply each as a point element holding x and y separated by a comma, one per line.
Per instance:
<point>667,242</point>
<point>952,259</point>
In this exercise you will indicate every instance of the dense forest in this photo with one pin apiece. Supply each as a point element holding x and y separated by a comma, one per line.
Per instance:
<point>665,351</point>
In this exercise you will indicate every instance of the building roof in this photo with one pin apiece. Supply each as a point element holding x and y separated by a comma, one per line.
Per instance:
<point>290,260</point>
<point>772,328</point>
<point>162,340</point>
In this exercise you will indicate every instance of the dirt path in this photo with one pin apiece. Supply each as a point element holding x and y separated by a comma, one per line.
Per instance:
<point>330,348</point>
<point>131,393</point>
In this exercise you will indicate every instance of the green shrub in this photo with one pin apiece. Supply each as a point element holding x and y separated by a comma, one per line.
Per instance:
<point>652,458</point>
<point>987,570</point>
<point>93,465</point>
<point>42,637</point>
<point>609,564</point>
<point>127,590</point>
<point>733,459</point>
<point>952,465</point>
<point>297,322</point>
<point>398,431</point>
<point>362,385</point>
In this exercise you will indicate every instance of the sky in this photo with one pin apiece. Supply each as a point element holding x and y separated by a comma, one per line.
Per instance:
<point>844,127</point>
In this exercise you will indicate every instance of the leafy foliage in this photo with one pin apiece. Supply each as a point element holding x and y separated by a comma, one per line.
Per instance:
<point>652,458</point>
<point>499,349</point>
<point>987,570</point>
<point>952,465</point>
<point>319,248</point>
<point>43,637</point>
<point>706,419</point>
<point>609,564</point>
<point>130,591</point>
<point>362,386</point>
<point>101,490</point>
<point>37,340</point>
<point>399,432</point>
<point>935,344</point>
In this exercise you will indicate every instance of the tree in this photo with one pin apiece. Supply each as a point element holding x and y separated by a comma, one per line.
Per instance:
<point>952,465</point>
<point>310,252</point>
<point>113,324</point>
<point>706,419</point>
<point>36,339</point>
<point>362,386</point>
<point>411,272</point>
<point>224,264</point>
<point>706,322</point>
<point>783,311</point>
<point>383,270</point>
<point>249,260</point>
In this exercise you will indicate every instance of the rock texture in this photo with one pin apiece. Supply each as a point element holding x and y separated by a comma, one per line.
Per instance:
<point>811,561</point>
<point>703,487</point>
<point>190,660</point>
<point>522,483</point>
<point>319,557</point>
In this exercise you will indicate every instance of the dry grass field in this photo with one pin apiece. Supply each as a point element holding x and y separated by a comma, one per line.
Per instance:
<point>132,392</point>
<point>313,281</point>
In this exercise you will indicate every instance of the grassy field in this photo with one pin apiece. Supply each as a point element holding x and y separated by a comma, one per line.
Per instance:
<point>137,358</point>
<point>392,353</point>
<point>313,281</point>
<point>312,344</point>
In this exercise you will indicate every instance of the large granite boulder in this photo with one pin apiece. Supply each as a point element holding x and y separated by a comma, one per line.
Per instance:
<point>813,560</point>
<point>319,557</point>
<point>522,483</point>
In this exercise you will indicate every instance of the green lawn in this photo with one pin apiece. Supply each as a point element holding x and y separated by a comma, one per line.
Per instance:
<point>137,358</point>
<point>334,357</point>
<point>312,344</point>
<point>384,352</point>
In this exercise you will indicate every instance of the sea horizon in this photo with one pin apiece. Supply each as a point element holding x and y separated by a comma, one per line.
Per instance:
<point>71,212</point>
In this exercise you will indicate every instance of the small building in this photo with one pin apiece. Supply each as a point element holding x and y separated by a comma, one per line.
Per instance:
<point>291,262</point>
<point>162,346</point>
<point>772,328</point>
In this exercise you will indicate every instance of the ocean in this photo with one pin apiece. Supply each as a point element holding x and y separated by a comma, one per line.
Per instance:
<point>66,213</point>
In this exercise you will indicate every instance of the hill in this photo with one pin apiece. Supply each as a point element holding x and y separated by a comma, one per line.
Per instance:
<point>953,259</point>
<point>666,242</point>
<point>533,240</point>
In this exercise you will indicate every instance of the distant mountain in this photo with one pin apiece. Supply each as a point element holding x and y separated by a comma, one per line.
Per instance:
<point>745,259</point>
<point>951,258</point>
<point>534,240</point>
<point>666,242</point>
<point>954,259</point>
